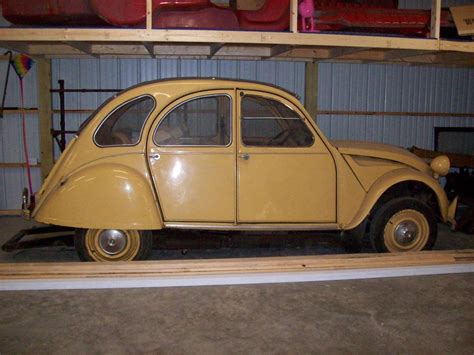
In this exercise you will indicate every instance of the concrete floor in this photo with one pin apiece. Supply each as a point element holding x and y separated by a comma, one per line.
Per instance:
<point>428,314</point>
<point>423,315</point>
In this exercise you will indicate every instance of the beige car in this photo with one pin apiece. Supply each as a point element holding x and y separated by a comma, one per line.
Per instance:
<point>230,155</point>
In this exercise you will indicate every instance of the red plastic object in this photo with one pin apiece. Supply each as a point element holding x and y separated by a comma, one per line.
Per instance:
<point>50,12</point>
<point>367,4</point>
<point>209,18</point>
<point>133,12</point>
<point>274,15</point>
<point>414,22</point>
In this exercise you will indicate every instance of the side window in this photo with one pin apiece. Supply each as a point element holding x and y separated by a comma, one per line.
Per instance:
<point>124,125</point>
<point>269,123</point>
<point>203,121</point>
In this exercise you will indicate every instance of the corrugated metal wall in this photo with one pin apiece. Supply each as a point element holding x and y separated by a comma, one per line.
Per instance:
<point>362,87</point>
<point>12,180</point>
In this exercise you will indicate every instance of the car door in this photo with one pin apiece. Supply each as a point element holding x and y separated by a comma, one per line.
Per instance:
<point>191,154</point>
<point>285,172</point>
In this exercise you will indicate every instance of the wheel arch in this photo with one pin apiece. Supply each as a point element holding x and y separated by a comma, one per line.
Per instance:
<point>398,183</point>
<point>105,195</point>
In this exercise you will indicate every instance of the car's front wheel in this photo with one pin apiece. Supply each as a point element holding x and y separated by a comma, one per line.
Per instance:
<point>112,244</point>
<point>403,224</point>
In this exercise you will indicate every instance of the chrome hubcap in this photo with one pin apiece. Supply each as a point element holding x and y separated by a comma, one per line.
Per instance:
<point>112,241</point>
<point>406,232</point>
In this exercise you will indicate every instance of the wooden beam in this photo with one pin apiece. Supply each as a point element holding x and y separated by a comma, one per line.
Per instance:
<point>149,14</point>
<point>311,89</point>
<point>279,49</point>
<point>435,24</point>
<point>28,35</point>
<point>17,165</point>
<point>294,16</point>
<point>20,47</point>
<point>341,52</point>
<point>392,113</point>
<point>402,54</point>
<point>226,268</point>
<point>150,47</point>
<point>214,48</point>
<point>45,116</point>
<point>82,46</point>
<point>10,212</point>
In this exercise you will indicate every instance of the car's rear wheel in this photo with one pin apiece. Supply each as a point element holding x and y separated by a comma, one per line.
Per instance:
<point>403,224</point>
<point>112,244</point>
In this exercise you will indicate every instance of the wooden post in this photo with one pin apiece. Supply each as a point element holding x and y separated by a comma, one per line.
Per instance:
<point>294,16</point>
<point>311,89</point>
<point>45,115</point>
<point>149,18</point>
<point>435,18</point>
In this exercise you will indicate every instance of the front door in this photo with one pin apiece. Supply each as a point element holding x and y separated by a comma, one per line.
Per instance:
<point>285,172</point>
<point>191,154</point>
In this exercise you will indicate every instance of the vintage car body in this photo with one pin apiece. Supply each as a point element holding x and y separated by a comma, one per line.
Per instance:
<point>231,178</point>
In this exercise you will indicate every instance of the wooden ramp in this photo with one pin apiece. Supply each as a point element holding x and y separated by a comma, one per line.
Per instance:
<point>170,273</point>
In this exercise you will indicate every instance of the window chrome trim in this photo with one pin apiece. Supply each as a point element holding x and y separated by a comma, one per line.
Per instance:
<point>231,132</point>
<point>118,108</point>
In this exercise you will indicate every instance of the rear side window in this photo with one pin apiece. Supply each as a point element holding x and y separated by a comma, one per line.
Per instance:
<point>124,125</point>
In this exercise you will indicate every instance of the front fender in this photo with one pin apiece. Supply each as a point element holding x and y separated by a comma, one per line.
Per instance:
<point>392,178</point>
<point>104,195</point>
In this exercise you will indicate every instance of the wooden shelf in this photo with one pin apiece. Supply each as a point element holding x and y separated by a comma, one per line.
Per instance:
<point>146,43</point>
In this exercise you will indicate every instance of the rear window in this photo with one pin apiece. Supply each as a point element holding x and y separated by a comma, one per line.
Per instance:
<point>125,124</point>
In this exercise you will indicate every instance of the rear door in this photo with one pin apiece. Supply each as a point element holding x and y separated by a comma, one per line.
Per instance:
<point>192,158</point>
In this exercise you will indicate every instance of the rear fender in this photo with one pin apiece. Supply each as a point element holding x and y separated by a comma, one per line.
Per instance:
<point>102,195</point>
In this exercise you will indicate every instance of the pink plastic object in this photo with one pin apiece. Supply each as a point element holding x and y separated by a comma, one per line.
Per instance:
<point>214,18</point>
<point>50,12</point>
<point>306,12</point>
<point>133,12</point>
<point>273,16</point>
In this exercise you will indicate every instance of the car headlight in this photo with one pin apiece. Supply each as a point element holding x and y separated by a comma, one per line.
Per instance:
<point>440,165</point>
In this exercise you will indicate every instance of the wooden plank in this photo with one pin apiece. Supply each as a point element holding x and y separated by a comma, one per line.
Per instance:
<point>45,116</point>
<point>20,47</point>
<point>83,47</point>
<point>464,19</point>
<point>435,24</point>
<point>150,47</point>
<point>294,16</point>
<point>341,52</point>
<point>18,271</point>
<point>214,49</point>
<point>403,54</point>
<point>211,36</point>
<point>392,113</point>
<point>10,212</point>
<point>149,18</point>
<point>279,49</point>
<point>18,165</point>
<point>311,89</point>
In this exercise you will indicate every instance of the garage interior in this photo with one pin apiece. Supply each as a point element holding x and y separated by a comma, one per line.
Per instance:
<point>226,292</point>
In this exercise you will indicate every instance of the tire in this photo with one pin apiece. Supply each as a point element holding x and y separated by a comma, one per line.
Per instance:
<point>112,244</point>
<point>403,224</point>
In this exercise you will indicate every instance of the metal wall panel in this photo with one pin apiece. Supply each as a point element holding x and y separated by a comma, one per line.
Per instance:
<point>13,180</point>
<point>359,87</point>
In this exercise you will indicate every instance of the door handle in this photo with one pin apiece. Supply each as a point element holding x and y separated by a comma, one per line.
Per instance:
<point>244,156</point>
<point>155,156</point>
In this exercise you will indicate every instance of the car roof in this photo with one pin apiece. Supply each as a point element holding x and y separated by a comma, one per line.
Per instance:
<point>228,81</point>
